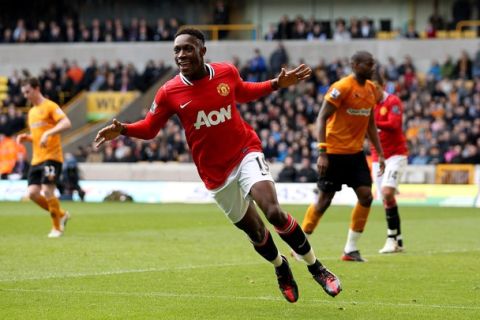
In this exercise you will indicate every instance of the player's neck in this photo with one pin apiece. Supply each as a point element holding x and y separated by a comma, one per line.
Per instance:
<point>201,73</point>
<point>38,100</point>
<point>361,80</point>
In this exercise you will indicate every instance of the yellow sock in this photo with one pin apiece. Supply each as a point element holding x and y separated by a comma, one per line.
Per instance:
<point>359,217</point>
<point>311,219</point>
<point>55,211</point>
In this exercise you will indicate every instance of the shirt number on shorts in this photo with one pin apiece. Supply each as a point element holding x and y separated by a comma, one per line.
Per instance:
<point>49,172</point>
<point>392,175</point>
<point>262,164</point>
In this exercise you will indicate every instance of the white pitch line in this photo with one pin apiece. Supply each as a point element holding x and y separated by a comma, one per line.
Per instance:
<point>253,298</point>
<point>192,267</point>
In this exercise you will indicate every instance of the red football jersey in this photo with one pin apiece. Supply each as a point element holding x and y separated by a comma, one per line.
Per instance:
<point>388,117</point>
<point>217,135</point>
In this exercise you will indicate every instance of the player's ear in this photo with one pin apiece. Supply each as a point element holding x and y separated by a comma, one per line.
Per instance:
<point>203,51</point>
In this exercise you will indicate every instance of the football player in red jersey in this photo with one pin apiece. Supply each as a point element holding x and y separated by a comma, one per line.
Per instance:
<point>227,151</point>
<point>388,117</point>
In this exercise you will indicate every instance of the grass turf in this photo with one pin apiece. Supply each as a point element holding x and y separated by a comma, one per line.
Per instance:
<point>143,261</point>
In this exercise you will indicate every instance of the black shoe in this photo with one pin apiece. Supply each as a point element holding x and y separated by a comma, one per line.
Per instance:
<point>286,283</point>
<point>329,282</point>
<point>353,256</point>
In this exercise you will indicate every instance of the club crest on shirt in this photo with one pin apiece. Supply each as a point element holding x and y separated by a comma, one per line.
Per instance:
<point>334,94</point>
<point>223,89</point>
<point>153,107</point>
<point>383,111</point>
<point>396,109</point>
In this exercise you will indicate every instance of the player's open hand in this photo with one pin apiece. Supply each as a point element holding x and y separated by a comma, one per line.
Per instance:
<point>108,133</point>
<point>288,78</point>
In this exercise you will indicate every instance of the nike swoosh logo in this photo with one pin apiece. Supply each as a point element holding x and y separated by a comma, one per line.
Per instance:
<point>185,104</point>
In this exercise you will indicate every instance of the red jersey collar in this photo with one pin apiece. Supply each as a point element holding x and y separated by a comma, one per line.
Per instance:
<point>211,74</point>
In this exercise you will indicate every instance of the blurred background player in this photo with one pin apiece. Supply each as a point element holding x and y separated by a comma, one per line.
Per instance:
<point>45,120</point>
<point>345,119</point>
<point>388,118</point>
<point>204,97</point>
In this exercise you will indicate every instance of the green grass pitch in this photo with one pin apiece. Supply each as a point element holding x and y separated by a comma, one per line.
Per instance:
<point>145,261</point>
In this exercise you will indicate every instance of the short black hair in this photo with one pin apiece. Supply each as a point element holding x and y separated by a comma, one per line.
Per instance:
<point>360,56</point>
<point>33,82</point>
<point>193,32</point>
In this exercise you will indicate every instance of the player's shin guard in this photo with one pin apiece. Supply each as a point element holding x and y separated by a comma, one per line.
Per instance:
<point>42,202</point>
<point>55,212</point>
<point>292,234</point>
<point>267,247</point>
<point>311,219</point>
<point>393,218</point>
<point>359,217</point>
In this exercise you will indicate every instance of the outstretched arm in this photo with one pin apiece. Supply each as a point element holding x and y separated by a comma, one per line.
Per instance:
<point>145,129</point>
<point>249,91</point>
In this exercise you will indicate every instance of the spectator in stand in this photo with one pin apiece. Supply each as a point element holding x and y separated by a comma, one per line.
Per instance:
<point>341,33</point>
<point>257,67</point>
<point>289,172</point>
<point>306,172</point>
<point>463,69</point>
<point>284,29</point>
<point>8,155</point>
<point>161,31</point>
<point>476,64</point>
<point>430,31</point>
<point>278,59</point>
<point>221,16</point>
<point>411,33</point>
<point>271,33</point>
<point>317,33</point>
<point>366,29</point>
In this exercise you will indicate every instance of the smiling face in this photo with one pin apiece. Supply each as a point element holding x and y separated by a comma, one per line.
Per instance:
<point>189,52</point>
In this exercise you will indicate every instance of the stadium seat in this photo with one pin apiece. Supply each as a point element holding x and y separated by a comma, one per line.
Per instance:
<point>469,34</point>
<point>454,34</point>
<point>384,35</point>
<point>442,34</point>
<point>3,80</point>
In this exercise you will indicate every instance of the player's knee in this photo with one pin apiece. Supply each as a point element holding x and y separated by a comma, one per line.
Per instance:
<point>323,204</point>
<point>366,199</point>
<point>257,235</point>
<point>33,194</point>
<point>275,215</point>
<point>388,195</point>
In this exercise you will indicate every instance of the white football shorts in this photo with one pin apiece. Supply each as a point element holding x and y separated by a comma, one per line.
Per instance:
<point>394,168</point>
<point>233,196</point>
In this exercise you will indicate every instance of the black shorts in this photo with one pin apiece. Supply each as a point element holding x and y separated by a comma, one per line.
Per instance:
<point>47,172</point>
<point>349,169</point>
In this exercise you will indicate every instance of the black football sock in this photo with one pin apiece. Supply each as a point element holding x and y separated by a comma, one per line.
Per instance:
<point>267,247</point>
<point>293,234</point>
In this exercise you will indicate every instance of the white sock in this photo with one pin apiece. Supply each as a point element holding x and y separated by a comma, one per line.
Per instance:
<point>277,262</point>
<point>352,240</point>
<point>309,257</point>
<point>391,232</point>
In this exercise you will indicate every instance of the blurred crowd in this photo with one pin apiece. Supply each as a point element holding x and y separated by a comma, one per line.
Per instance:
<point>62,81</point>
<point>71,30</point>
